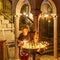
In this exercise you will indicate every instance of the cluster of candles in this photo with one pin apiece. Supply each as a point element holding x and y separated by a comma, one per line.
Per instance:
<point>32,45</point>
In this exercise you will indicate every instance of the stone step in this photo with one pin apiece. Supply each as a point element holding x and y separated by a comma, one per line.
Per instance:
<point>7,34</point>
<point>1,17</point>
<point>5,21</point>
<point>9,25</point>
<point>3,25</point>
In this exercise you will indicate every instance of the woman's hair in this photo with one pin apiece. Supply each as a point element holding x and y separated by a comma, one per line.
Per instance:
<point>27,27</point>
<point>24,27</point>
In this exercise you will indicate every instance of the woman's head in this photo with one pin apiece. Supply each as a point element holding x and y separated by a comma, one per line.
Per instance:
<point>25,30</point>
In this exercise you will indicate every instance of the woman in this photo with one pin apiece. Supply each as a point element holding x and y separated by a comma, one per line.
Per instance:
<point>23,36</point>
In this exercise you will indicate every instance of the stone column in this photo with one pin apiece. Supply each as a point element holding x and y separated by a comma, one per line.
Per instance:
<point>4,5</point>
<point>35,13</point>
<point>16,21</point>
<point>13,6</point>
<point>35,23</point>
<point>55,39</point>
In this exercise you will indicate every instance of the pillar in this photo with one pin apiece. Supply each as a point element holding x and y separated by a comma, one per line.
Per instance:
<point>13,6</point>
<point>4,5</point>
<point>35,23</point>
<point>35,13</point>
<point>16,21</point>
<point>55,39</point>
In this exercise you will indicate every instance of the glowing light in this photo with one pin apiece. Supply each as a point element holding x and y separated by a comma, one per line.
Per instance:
<point>40,16</point>
<point>46,15</point>
<point>31,16</point>
<point>29,45</point>
<point>49,21</point>
<point>24,13</point>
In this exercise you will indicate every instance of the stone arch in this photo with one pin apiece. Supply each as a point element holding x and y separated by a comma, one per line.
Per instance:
<point>54,10</point>
<point>52,4</point>
<point>19,5</point>
<point>16,22</point>
<point>55,18</point>
<point>17,16</point>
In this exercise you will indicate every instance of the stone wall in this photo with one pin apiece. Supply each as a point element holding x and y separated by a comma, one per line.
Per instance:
<point>6,29</point>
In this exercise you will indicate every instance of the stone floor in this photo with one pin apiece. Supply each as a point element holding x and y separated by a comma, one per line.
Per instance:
<point>46,57</point>
<point>43,57</point>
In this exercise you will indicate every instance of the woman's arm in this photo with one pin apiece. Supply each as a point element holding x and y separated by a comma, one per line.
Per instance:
<point>20,42</point>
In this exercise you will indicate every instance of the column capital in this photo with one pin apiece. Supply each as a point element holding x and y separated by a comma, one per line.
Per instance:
<point>17,16</point>
<point>54,15</point>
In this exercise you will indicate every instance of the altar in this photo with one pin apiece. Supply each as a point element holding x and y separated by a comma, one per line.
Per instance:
<point>31,48</point>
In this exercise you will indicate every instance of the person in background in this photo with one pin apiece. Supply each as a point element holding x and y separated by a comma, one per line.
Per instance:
<point>36,38</point>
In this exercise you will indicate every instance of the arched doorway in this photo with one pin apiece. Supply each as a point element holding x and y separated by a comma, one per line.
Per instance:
<point>48,21</point>
<point>26,17</point>
<point>22,14</point>
<point>23,7</point>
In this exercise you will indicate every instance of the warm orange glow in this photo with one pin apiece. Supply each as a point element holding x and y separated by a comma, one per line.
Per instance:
<point>36,38</point>
<point>30,45</point>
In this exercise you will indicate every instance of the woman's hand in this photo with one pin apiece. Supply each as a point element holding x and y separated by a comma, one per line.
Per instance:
<point>20,43</point>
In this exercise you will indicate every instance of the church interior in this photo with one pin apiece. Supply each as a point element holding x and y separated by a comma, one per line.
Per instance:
<point>37,18</point>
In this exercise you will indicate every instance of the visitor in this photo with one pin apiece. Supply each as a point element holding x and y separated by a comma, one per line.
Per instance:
<point>23,36</point>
